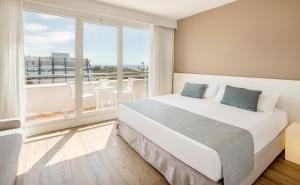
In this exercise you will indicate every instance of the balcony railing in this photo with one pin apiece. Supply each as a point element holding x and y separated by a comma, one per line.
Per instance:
<point>60,78</point>
<point>48,101</point>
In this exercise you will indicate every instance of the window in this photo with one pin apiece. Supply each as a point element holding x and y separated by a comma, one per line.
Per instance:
<point>62,84</point>
<point>49,48</point>
<point>135,63</point>
<point>100,66</point>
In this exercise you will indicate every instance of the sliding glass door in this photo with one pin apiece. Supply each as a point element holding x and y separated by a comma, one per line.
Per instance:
<point>99,68</point>
<point>76,67</point>
<point>136,47</point>
<point>49,48</point>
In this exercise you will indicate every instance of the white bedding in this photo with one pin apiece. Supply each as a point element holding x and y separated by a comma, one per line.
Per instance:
<point>264,127</point>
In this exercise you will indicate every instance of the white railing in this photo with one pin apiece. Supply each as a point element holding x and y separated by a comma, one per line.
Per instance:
<point>50,98</point>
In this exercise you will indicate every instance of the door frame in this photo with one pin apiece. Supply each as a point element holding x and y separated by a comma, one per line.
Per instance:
<point>79,117</point>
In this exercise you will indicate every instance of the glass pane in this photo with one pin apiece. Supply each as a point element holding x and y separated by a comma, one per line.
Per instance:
<point>99,67</point>
<point>136,48</point>
<point>49,48</point>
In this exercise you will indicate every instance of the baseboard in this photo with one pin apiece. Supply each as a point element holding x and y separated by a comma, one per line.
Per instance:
<point>55,125</point>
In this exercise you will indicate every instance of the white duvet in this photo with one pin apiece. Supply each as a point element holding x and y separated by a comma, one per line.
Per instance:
<point>264,127</point>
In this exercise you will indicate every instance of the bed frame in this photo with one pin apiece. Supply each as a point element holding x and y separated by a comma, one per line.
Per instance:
<point>178,173</point>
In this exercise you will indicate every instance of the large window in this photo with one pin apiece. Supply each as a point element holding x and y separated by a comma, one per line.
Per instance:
<point>100,66</point>
<point>49,48</point>
<point>135,63</point>
<point>64,82</point>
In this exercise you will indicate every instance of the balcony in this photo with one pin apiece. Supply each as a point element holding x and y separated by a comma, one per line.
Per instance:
<point>50,87</point>
<point>53,101</point>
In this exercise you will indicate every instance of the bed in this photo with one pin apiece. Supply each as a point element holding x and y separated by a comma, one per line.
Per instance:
<point>183,160</point>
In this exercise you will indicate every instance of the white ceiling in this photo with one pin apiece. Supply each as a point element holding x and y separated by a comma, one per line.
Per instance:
<point>173,9</point>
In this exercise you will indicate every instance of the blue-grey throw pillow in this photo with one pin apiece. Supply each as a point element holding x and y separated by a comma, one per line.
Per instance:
<point>241,98</point>
<point>193,90</point>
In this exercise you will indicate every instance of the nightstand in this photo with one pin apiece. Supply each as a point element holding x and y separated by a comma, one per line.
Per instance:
<point>292,143</point>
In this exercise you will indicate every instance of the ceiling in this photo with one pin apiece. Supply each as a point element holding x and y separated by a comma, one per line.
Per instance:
<point>173,9</point>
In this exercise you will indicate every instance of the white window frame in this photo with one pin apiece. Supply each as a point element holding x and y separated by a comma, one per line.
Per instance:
<point>80,117</point>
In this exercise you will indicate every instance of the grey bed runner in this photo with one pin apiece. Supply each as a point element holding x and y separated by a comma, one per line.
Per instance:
<point>234,145</point>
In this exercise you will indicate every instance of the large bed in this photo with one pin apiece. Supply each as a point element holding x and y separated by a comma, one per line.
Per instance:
<point>264,127</point>
<point>183,160</point>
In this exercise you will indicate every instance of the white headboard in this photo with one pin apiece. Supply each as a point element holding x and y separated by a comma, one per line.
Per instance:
<point>289,90</point>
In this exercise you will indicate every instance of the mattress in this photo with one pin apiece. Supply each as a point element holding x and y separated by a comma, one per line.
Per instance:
<point>264,127</point>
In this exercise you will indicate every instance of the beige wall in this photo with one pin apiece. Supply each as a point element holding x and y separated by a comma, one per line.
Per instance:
<point>252,38</point>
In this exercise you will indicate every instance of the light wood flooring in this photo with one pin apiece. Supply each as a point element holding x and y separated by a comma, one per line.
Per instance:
<point>94,154</point>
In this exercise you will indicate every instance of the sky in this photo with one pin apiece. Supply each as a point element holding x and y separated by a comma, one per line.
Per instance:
<point>44,34</point>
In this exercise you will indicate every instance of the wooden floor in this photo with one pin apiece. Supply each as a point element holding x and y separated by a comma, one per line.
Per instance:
<point>94,154</point>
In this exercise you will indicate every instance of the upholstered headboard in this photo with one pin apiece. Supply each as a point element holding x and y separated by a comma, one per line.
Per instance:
<point>289,90</point>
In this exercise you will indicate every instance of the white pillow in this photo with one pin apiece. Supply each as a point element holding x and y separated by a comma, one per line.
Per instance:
<point>218,98</point>
<point>267,102</point>
<point>211,91</point>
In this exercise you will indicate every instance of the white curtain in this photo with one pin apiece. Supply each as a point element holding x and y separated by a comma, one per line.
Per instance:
<point>162,61</point>
<point>11,59</point>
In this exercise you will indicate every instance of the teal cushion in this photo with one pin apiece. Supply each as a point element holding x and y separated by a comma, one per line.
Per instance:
<point>193,90</point>
<point>241,98</point>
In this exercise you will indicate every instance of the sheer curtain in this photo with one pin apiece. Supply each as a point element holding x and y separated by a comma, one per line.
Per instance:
<point>11,59</point>
<point>162,61</point>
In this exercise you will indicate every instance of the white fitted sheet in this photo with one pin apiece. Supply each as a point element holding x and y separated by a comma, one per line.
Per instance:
<point>264,127</point>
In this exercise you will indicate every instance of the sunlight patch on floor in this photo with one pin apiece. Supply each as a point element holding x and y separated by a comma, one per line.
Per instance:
<point>49,150</point>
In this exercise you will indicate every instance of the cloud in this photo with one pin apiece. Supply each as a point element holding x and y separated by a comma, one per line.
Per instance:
<point>47,42</point>
<point>35,27</point>
<point>48,39</point>
<point>61,37</point>
<point>48,17</point>
<point>42,35</point>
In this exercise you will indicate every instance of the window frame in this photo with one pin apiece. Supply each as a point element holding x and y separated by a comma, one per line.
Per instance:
<point>80,18</point>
